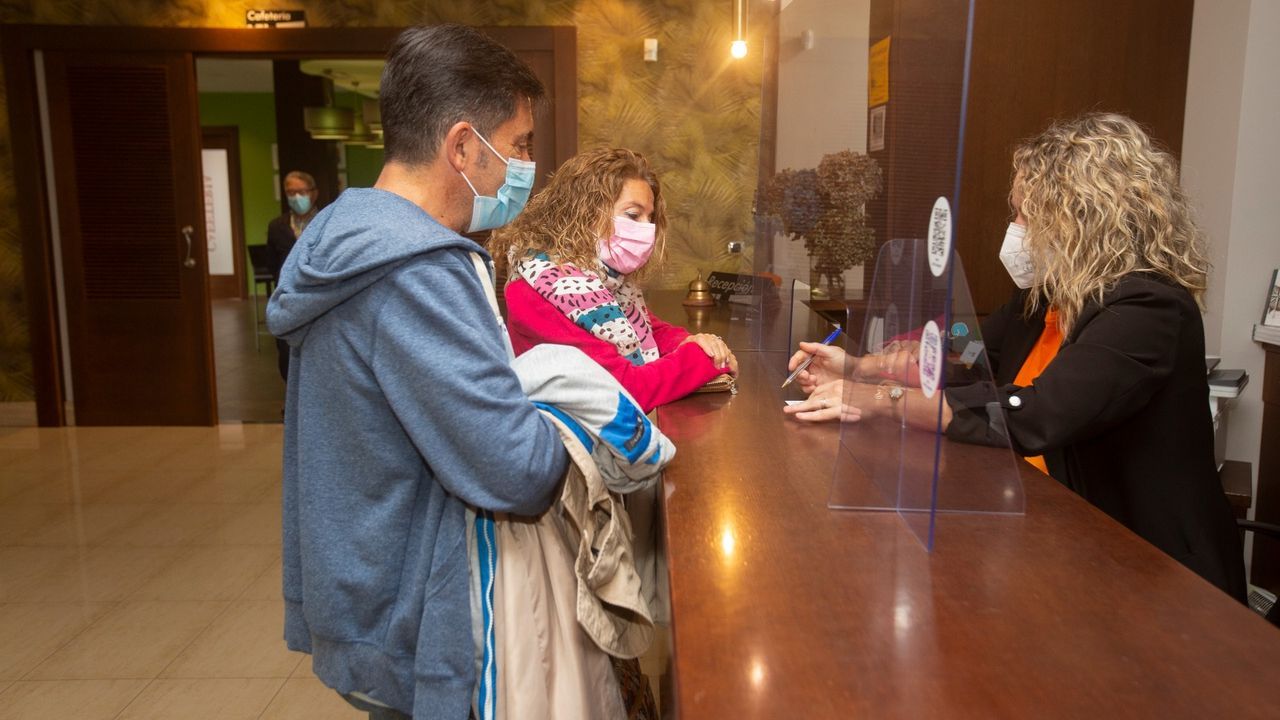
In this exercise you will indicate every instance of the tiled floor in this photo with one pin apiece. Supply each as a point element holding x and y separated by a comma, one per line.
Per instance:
<point>249,384</point>
<point>140,577</point>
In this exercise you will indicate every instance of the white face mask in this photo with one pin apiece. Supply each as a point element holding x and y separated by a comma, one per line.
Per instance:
<point>1016,258</point>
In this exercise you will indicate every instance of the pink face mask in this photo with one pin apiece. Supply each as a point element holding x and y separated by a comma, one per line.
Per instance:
<point>630,246</point>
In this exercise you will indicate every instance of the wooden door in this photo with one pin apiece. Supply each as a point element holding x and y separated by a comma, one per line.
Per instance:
<point>126,160</point>
<point>224,221</point>
<point>545,136</point>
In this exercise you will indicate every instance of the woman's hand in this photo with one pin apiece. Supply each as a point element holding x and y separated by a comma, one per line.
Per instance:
<point>731,365</point>
<point>851,401</point>
<point>827,365</point>
<point>827,403</point>
<point>716,349</point>
<point>898,361</point>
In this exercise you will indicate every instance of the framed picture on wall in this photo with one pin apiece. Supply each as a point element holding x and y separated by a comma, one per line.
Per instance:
<point>1271,315</point>
<point>875,129</point>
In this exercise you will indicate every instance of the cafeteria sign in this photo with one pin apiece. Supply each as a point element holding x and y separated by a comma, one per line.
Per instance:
<point>275,18</point>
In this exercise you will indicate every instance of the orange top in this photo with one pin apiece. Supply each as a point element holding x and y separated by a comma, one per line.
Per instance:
<point>1045,350</point>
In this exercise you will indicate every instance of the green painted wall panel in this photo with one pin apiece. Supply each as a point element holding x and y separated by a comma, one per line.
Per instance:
<point>254,114</point>
<point>363,166</point>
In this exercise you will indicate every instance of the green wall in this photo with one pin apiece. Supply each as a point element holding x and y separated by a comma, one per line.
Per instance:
<point>363,166</point>
<point>255,116</point>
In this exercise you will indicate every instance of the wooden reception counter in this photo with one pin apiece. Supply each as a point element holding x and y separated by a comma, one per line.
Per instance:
<point>783,608</point>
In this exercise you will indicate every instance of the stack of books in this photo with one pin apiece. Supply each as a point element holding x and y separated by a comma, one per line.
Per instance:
<point>1227,383</point>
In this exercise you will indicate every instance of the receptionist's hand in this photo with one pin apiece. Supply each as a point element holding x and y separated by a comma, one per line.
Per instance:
<point>827,402</point>
<point>827,365</point>
<point>898,362</point>
<point>851,401</point>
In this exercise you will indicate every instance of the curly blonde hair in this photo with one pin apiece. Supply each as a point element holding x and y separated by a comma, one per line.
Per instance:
<point>567,219</point>
<point>1101,201</point>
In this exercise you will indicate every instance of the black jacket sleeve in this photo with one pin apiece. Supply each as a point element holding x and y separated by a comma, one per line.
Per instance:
<point>280,240</point>
<point>976,413</point>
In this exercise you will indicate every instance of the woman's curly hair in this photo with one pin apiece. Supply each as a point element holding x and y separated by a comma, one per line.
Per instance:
<point>567,219</point>
<point>1101,201</point>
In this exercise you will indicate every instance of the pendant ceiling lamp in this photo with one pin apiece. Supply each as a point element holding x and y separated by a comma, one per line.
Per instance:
<point>373,119</point>
<point>739,47</point>
<point>373,116</point>
<point>360,133</point>
<point>328,122</point>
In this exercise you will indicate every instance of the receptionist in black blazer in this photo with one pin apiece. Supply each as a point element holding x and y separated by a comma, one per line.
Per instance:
<point>1098,358</point>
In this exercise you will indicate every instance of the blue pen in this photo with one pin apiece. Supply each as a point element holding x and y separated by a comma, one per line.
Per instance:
<point>805,364</point>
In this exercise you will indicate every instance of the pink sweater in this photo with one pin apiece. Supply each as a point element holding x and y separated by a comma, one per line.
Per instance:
<point>680,369</point>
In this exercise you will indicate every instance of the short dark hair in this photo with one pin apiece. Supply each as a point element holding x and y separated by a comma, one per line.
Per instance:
<point>438,75</point>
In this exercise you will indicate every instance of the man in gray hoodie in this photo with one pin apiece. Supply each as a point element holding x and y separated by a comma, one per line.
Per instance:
<point>402,412</point>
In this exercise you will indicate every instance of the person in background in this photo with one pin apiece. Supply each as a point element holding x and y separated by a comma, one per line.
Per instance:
<point>282,232</point>
<point>576,257</point>
<point>1099,356</point>
<point>405,427</point>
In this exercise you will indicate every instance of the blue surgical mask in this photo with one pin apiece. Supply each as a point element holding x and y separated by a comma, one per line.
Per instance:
<point>300,204</point>
<point>488,212</point>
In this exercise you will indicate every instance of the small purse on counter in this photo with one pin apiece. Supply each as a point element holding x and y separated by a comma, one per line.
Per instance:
<point>724,382</point>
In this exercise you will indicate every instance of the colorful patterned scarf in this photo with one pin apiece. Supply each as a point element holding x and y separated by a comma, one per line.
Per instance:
<point>602,303</point>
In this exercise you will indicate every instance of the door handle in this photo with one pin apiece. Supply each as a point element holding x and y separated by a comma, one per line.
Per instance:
<point>190,262</point>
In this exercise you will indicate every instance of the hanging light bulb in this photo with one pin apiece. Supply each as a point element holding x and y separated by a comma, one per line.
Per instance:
<point>739,47</point>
